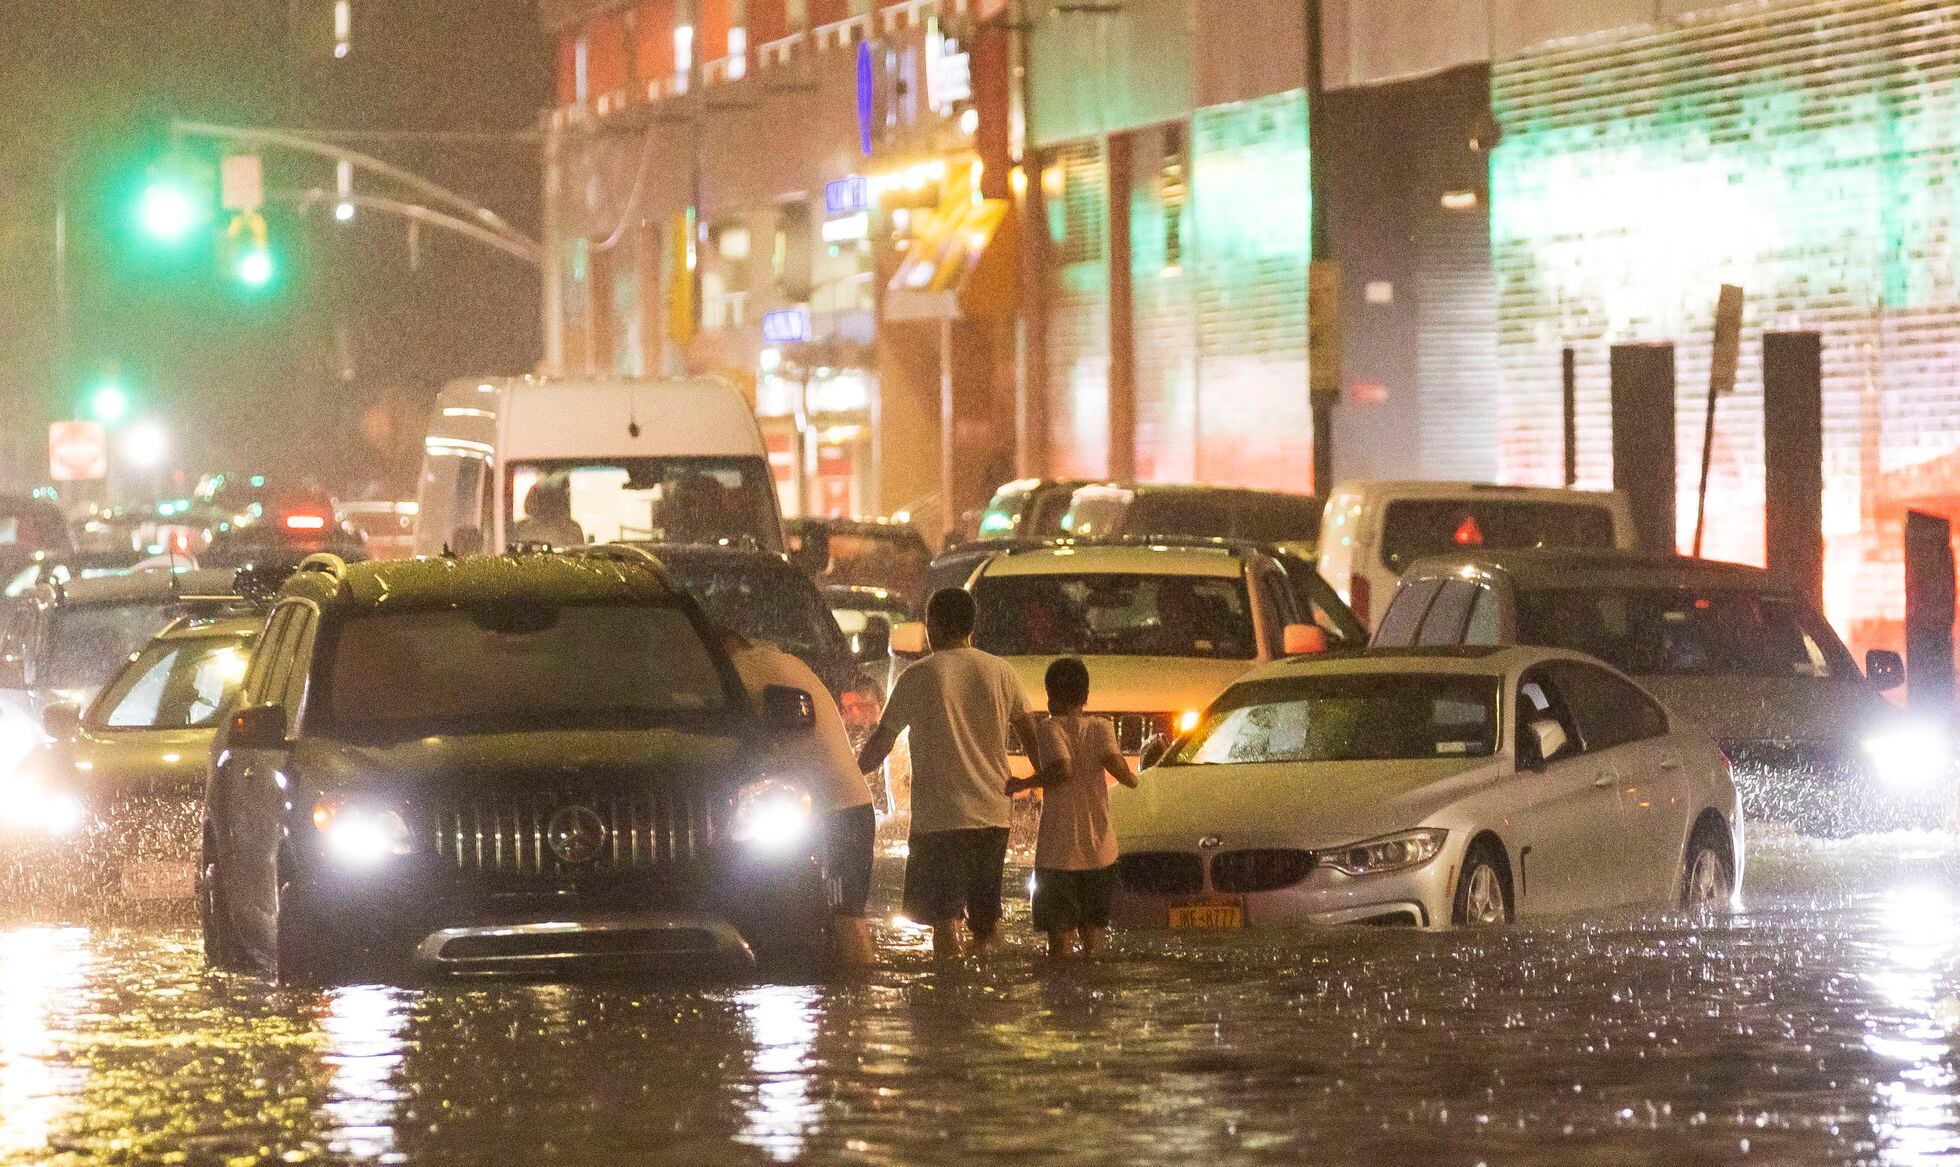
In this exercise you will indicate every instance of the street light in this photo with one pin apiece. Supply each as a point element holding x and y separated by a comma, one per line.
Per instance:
<point>146,445</point>
<point>108,402</point>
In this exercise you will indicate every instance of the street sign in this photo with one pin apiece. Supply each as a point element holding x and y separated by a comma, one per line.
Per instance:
<point>786,325</point>
<point>846,196</point>
<point>243,186</point>
<point>78,451</point>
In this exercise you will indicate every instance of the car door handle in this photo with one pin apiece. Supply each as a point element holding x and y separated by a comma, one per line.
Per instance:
<point>1671,762</point>
<point>1605,778</point>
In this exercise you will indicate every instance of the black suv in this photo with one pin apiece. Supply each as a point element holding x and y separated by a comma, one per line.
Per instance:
<point>503,764</point>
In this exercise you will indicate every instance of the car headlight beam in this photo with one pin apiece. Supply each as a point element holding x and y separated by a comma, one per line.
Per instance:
<point>772,814</point>
<point>1397,852</point>
<point>361,836</point>
<point>1910,755</point>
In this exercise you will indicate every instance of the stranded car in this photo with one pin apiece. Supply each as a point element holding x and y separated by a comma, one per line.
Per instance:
<point>1427,788</point>
<point>503,764</point>
<point>1726,647</point>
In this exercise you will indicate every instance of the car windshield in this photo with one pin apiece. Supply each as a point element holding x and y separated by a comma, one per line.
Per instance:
<point>87,644</point>
<point>1361,717</point>
<point>1685,632</point>
<point>1115,614</point>
<point>566,502</point>
<point>179,683</point>
<point>778,606</point>
<point>515,665</point>
<point>1414,528</point>
<point>1003,514</point>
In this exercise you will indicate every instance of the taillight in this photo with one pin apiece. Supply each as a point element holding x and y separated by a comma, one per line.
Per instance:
<point>305,523</point>
<point>862,705</point>
<point>1358,597</point>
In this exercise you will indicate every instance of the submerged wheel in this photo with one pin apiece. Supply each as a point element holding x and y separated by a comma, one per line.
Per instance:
<point>1483,894</point>
<point>1708,878</point>
<point>221,950</point>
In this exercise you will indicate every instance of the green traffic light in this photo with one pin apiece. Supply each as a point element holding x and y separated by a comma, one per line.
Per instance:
<point>108,403</point>
<point>255,268</point>
<point>167,211</point>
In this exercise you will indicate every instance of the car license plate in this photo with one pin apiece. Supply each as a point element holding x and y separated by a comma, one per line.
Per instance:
<point>159,881</point>
<point>1208,916</point>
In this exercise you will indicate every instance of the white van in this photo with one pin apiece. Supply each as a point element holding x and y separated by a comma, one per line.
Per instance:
<point>522,460</point>
<point>1371,531</point>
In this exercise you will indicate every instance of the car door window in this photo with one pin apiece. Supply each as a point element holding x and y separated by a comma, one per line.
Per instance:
<point>304,625</point>
<point>1539,700</point>
<point>1609,711</point>
<point>1274,605</point>
<point>1483,627</point>
<point>1405,613</point>
<point>266,679</point>
<point>1448,614</point>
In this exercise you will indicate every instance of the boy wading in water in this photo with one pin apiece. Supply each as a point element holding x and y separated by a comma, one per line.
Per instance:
<point>1075,853</point>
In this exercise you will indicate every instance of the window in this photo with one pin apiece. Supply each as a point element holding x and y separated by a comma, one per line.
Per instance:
<point>1413,528</point>
<point>1176,513</point>
<point>265,682</point>
<point>177,684</point>
<point>1275,610</point>
<point>1447,616</point>
<point>1405,612</point>
<point>1115,615</point>
<point>1483,627</point>
<point>507,666</point>
<point>1363,717</point>
<point>1540,701</point>
<point>1276,518</point>
<point>779,607</point>
<point>581,69</point>
<point>1175,191</point>
<point>567,502</point>
<point>1649,632</point>
<point>89,645</point>
<point>301,656</point>
<point>1609,712</point>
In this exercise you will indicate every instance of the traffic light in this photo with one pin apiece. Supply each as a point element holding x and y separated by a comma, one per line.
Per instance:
<point>167,211</point>
<point>108,401</point>
<point>255,267</point>
<point>250,251</point>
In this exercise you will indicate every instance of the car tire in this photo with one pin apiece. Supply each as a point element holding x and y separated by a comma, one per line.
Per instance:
<point>302,953</point>
<point>221,948</point>
<point>1707,872</point>
<point>1483,891</point>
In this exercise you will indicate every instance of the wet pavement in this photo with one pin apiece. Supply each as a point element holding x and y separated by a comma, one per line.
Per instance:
<point>1820,1025</point>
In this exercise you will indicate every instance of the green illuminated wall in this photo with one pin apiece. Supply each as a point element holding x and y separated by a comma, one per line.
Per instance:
<point>1808,151</point>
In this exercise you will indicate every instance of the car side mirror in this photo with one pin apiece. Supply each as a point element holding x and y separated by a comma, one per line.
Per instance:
<point>874,640</point>
<point>1885,669</point>
<point>1155,748</point>
<point>909,639</point>
<point>259,727</point>
<point>787,709</point>
<point>1305,640</point>
<point>13,673</point>
<point>61,720</point>
<point>1548,737</point>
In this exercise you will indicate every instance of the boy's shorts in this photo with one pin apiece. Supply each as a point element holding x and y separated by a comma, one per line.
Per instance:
<point>1072,899</point>
<point>950,873</point>
<point>852,832</point>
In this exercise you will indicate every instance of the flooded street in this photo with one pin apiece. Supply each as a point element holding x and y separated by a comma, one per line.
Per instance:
<point>1818,1026</point>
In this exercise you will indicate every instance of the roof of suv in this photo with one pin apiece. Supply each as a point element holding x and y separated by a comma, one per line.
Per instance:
<point>599,575</point>
<point>1141,558</point>
<point>1595,568</point>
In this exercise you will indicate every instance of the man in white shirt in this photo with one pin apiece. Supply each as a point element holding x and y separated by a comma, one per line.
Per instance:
<point>959,704</point>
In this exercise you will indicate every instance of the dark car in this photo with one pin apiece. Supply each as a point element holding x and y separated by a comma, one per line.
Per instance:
<point>1163,508</point>
<point>514,764</point>
<point>761,595</point>
<point>30,528</point>
<point>1726,647</point>
<point>875,553</point>
<point>1028,508</point>
<point>282,527</point>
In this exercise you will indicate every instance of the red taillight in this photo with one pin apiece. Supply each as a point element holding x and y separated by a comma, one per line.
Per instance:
<point>306,523</point>
<point>1358,597</point>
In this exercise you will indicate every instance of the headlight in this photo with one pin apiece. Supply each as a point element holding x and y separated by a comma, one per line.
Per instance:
<point>1388,853</point>
<point>31,809</point>
<point>358,835</point>
<point>1912,755</point>
<point>772,814</point>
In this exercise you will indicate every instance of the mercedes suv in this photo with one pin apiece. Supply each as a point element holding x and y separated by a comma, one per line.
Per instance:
<point>527,764</point>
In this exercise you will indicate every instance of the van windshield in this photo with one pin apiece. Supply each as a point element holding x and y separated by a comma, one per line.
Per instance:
<point>1414,528</point>
<point>565,502</point>
<point>1675,632</point>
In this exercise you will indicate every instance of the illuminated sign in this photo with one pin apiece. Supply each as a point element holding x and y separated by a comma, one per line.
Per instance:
<point>786,325</point>
<point>867,96</point>
<point>846,196</point>
<point>849,227</point>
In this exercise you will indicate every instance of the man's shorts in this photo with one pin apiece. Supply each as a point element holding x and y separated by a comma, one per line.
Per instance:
<point>1072,899</point>
<point>851,834</point>
<point>954,873</point>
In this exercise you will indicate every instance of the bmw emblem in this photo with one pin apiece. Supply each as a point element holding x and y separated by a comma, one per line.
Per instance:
<point>577,834</point>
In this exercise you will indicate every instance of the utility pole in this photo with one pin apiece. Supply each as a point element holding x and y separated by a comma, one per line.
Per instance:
<point>1324,274</point>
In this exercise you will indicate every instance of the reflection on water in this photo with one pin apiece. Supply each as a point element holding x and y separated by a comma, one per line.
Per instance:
<point>40,969</point>
<point>1913,973</point>
<point>782,1023</point>
<point>363,1050</point>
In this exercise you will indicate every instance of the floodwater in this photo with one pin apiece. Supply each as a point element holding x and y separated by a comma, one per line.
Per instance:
<point>1819,1025</point>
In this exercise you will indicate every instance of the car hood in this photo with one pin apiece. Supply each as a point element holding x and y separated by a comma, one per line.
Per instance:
<point>1139,684</point>
<point>1733,708</point>
<point>1310,805</point>
<point>141,761</point>
<point>459,760</point>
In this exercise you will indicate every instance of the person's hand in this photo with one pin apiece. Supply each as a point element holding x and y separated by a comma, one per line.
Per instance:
<point>1016,786</point>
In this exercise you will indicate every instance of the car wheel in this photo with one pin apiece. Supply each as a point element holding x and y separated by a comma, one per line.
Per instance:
<point>1708,878</point>
<point>1483,894</point>
<point>221,950</point>
<point>301,954</point>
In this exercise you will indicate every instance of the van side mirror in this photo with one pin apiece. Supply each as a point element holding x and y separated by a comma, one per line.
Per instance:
<point>1155,748</point>
<point>874,640</point>
<point>787,709</point>
<point>1885,669</point>
<point>259,727</point>
<point>909,639</point>
<point>1305,640</point>
<point>61,720</point>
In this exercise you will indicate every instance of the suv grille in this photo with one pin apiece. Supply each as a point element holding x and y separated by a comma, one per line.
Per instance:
<point>1160,873</point>
<point>510,832</point>
<point>1244,871</point>
<point>1132,730</point>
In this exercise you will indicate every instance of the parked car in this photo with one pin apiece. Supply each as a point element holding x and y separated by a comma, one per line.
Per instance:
<point>524,764</point>
<point>1028,508</point>
<point>1728,648</point>
<point>877,553</point>
<point>1104,510</point>
<point>109,806</point>
<point>1427,788</point>
<point>1372,531</point>
<point>762,596</point>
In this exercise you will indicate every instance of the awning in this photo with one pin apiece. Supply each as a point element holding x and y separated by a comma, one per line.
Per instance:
<point>953,269</point>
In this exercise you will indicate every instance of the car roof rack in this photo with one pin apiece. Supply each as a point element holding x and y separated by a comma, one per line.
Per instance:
<point>625,553</point>
<point>1212,542</point>
<point>325,562</point>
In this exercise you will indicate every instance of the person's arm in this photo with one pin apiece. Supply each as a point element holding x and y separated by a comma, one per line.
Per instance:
<point>876,748</point>
<point>1118,767</point>
<point>1051,747</point>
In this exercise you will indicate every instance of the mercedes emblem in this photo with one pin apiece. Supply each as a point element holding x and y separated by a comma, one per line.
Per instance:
<point>577,834</point>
